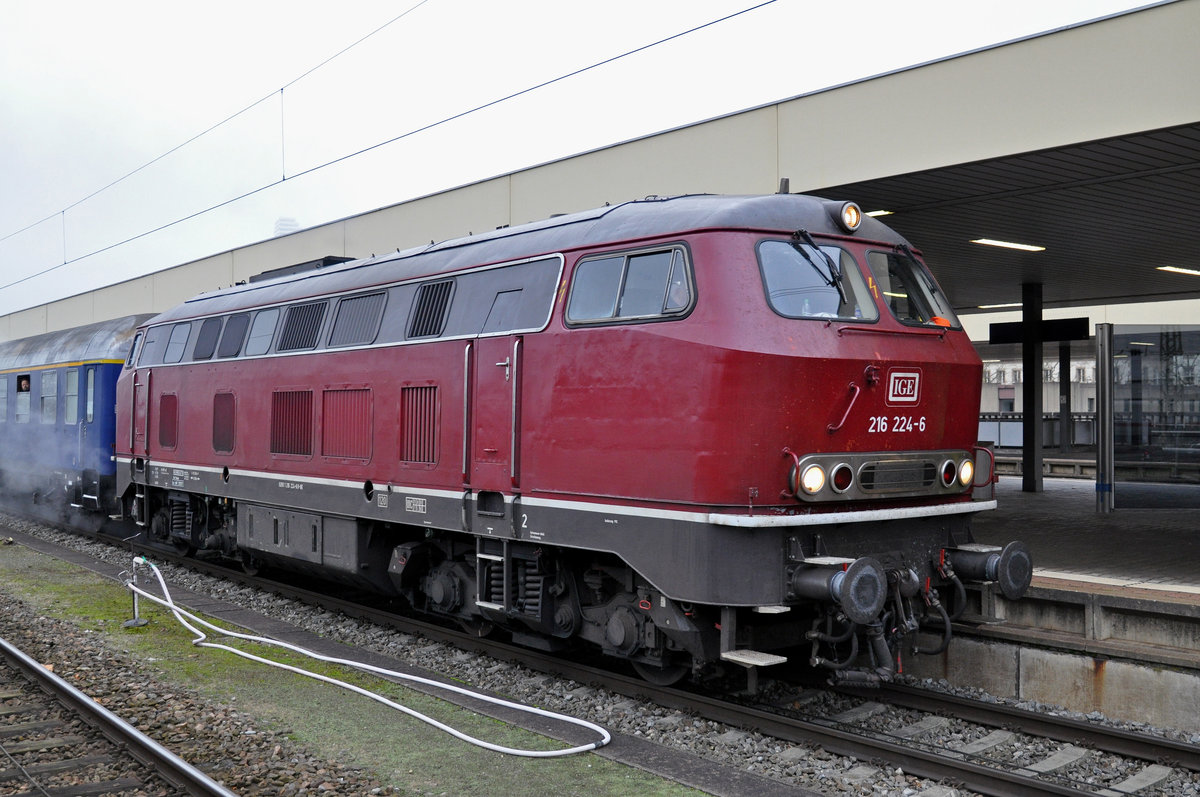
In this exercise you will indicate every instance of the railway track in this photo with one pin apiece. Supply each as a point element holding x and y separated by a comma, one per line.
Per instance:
<point>55,741</point>
<point>867,730</point>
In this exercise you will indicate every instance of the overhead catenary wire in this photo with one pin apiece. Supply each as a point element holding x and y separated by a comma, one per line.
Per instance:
<point>284,178</point>
<point>213,127</point>
<point>183,617</point>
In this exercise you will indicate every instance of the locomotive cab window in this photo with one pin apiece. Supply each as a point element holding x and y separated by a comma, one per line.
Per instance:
<point>909,291</point>
<point>803,282</point>
<point>640,285</point>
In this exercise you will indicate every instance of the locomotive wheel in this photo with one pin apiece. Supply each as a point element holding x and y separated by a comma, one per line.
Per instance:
<point>250,565</point>
<point>183,547</point>
<point>661,676</point>
<point>476,627</point>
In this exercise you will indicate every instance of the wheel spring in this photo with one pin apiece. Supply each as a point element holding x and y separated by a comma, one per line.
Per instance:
<point>496,584</point>
<point>179,519</point>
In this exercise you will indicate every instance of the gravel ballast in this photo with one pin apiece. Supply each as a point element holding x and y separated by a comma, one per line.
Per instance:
<point>800,766</point>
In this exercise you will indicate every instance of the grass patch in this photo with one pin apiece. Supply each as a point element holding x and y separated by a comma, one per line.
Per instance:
<point>328,721</point>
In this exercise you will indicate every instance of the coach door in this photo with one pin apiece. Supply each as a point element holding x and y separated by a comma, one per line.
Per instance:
<point>495,416</point>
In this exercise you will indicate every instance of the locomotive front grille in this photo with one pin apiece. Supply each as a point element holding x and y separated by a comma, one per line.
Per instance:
<point>897,475</point>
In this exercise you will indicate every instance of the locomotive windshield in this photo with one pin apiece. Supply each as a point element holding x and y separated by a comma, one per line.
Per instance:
<point>803,282</point>
<point>908,290</point>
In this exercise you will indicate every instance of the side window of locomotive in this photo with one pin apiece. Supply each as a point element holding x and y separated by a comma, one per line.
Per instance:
<point>235,333</point>
<point>643,285</point>
<point>909,292</point>
<point>131,358</point>
<point>262,331</point>
<point>802,282</point>
<point>503,313</point>
<point>177,343</point>
<point>206,341</point>
<point>153,346</point>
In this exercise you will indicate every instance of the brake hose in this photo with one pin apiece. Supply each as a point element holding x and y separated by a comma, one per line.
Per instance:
<point>182,615</point>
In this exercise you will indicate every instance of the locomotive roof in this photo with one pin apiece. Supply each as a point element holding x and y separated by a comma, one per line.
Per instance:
<point>106,340</point>
<point>630,221</point>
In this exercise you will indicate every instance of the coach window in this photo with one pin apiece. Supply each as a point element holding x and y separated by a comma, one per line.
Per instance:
<point>261,332</point>
<point>91,395</point>
<point>71,398</point>
<point>206,341</point>
<point>803,282</point>
<point>49,396</point>
<point>643,285</point>
<point>22,415</point>
<point>235,333</point>
<point>177,343</point>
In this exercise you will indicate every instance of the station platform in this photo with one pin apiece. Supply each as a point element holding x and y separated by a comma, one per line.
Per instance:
<point>1157,550</point>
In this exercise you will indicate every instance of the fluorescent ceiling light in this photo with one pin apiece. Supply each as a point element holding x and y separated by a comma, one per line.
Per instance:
<point>998,306</point>
<point>875,213</point>
<point>1178,270</point>
<point>1139,343</point>
<point>1009,245</point>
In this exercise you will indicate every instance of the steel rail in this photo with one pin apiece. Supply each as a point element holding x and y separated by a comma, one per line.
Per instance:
<point>162,761</point>
<point>1064,729</point>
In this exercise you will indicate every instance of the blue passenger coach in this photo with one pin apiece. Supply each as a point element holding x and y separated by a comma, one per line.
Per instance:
<point>57,413</point>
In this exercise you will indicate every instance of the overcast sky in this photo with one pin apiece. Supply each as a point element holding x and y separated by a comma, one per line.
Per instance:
<point>90,92</point>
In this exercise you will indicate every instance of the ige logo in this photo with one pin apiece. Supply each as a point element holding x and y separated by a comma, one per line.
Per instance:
<point>904,387</point>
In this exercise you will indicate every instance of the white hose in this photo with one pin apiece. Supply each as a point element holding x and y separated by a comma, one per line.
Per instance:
<point>199,641</point>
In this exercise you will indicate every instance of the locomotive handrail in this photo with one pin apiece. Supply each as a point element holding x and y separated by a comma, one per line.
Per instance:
<point>854,391</point>
<point>941,333</point>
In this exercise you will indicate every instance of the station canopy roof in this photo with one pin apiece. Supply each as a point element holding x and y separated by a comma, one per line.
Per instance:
<point>1108,213</point>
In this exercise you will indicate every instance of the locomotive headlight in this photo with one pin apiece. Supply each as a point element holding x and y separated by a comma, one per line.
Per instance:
<point>851,216</point>
<point>949,472</point>
<point>966,472</point>
<point>812,479</point>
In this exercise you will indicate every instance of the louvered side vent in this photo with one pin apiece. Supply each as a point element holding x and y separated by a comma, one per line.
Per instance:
<point>291,422</point>
<point>418,408</point>
<point>168,421</point>
<point>429,311</point>
<point>357,320</point>
<point>346,427</point>
<point>302,326</point>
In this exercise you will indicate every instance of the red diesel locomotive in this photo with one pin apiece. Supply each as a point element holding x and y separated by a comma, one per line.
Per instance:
<point>683,431</point>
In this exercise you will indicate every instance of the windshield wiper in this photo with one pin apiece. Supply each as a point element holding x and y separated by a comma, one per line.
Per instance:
<point>835,273</point>
<point>921,272</point>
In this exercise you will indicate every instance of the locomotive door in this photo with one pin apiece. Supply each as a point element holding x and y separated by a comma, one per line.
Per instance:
<point>139,428</point>
<point>495,415</point>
